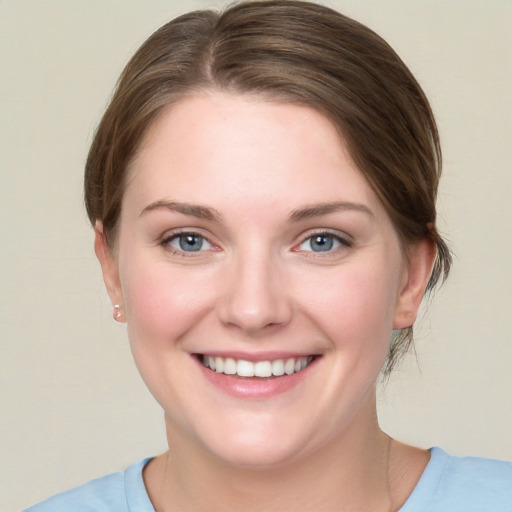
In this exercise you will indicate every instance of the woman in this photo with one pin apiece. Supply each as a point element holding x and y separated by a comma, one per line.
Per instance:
<point>262,188</point>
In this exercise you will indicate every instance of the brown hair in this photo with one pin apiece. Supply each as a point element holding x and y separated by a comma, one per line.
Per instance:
<point>286,51</point>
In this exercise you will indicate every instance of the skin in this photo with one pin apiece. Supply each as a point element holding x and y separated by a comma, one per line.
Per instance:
<point>257,286</point>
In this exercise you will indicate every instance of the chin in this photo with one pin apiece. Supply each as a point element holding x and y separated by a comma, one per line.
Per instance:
<point>268,446</point>
<point>255,456</point>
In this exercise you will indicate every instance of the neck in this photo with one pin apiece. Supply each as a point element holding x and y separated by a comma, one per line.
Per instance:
<point>349,473</point>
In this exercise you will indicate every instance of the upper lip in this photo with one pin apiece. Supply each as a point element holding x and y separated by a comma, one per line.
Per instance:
<point>255,356</point>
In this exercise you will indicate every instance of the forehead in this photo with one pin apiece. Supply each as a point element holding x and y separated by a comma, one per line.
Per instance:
<point>216,147</point>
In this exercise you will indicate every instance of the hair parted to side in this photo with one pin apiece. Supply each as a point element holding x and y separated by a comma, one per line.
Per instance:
<point>294,52</point>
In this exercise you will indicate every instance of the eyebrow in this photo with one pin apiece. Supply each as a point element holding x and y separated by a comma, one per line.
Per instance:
<point>299,214</point>
<point>194,210</point>
<point>316,210</point>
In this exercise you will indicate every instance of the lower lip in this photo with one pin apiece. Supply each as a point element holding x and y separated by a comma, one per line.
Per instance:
<point>254,387</point>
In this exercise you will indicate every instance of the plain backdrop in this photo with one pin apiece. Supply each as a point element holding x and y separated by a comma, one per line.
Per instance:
<point>73,406</point>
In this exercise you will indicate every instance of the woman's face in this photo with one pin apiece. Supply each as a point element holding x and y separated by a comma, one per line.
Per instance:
<point>250,243</point>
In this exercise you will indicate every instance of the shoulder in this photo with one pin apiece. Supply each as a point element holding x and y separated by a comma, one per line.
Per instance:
<point>492,474</point>
<point>462,484</point>
<point>111,493</point>
<point>102,494</point>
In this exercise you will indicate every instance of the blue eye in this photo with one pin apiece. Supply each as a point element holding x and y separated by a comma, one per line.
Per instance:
<point>321,243</point>
<point>188,242</point>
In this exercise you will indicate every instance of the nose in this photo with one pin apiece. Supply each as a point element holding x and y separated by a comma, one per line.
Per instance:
<point>255,297</point>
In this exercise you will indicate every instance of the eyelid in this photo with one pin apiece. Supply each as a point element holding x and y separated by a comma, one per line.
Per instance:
<point>174,234</point>
<point>343,238</point>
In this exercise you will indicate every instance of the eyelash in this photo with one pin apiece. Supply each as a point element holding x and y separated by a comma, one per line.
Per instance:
<point>343,241</point>
<point>166,241</point>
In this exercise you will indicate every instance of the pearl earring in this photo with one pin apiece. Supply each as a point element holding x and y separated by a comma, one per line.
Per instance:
<point>117,312</point>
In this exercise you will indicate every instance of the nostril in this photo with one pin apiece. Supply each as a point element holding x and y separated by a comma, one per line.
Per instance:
<point>253,298</point>
<point>252,320</point>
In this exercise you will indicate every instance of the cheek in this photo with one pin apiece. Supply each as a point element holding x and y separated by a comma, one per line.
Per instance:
<point>356,307</point>
<point>162,305</point>
<point>163,302</point>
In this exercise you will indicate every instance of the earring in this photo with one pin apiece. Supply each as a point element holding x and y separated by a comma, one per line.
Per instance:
<point>117,312</point>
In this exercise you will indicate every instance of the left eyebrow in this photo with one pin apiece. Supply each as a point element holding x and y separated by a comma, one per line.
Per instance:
<point>316,210</point>
<point>194,210</point>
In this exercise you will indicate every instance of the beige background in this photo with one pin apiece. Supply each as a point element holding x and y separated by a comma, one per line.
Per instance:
<point>73,406</point>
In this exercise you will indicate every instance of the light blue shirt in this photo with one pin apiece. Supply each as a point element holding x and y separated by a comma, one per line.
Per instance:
<point>448,484</point>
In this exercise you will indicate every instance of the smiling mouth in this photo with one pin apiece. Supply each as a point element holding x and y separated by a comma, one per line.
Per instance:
<point>262,369</point>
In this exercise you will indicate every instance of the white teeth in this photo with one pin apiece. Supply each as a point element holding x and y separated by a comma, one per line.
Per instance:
<point>263,369</point>
<point>289,366</point>
<point>242,368</point>
<point>278,367</point>
<point>219,365</point>
<point>229,366</point>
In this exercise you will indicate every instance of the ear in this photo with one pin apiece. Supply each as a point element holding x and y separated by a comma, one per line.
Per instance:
<point>417,273</point>
<point>109,269</point>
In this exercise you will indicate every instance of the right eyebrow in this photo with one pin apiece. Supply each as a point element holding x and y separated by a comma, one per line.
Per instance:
<point>194,210</point>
